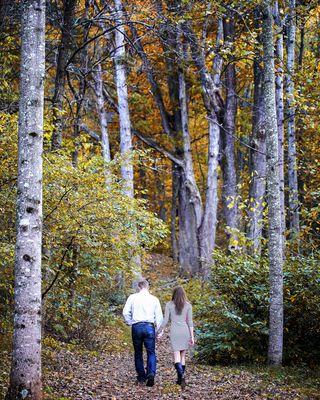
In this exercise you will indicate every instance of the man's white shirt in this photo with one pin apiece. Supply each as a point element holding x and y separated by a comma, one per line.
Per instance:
<point>143,307</point>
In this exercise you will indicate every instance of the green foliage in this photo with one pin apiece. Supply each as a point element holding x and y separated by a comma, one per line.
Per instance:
<point>232,310</point>
<point>91,237</point>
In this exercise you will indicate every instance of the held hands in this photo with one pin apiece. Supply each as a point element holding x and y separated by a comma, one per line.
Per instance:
<point>191,341</point>
<point>159,335</point>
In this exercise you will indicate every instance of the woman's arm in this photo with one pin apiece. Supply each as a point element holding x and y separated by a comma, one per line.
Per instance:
<point>190,324</point>
<point>166,319</point>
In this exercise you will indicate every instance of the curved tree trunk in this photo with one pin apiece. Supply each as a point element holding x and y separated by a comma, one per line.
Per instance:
<point>273,194</point>
<point>25,379</point>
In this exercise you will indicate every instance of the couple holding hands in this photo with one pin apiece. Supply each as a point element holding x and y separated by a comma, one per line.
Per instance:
<point>143,313</point>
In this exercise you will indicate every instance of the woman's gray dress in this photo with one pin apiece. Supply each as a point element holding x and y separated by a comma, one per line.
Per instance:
<point>180,324</point>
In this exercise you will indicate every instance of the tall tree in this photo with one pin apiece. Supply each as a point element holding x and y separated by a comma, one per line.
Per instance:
<point>257,165</point>
<point>280,110</point>
<point>229,172</point>
<point>273,192</point>
<point>64,50</point>
<point>291,131</point>
<point>207,231</point>
<point>123,103</point>
<point>25,379</point>
<point>189,197</point>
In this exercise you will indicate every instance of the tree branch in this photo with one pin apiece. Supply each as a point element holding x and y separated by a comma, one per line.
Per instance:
<point>150,142</point>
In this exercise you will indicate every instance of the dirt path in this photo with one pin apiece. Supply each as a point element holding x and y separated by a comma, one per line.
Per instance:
<point>87,377</point>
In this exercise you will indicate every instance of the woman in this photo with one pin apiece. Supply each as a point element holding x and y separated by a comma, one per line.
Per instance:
<point>179,311</point>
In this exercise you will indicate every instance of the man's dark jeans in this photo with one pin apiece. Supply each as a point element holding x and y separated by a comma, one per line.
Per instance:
<point>143,333</point>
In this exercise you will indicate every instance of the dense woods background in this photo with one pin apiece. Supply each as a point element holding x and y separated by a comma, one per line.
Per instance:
<point>179,131</point>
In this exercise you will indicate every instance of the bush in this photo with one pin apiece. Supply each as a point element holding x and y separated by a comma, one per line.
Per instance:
<point>91,236</point>
<point>233,310</point>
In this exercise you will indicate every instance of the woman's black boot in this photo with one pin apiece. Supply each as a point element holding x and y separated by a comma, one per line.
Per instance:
<point>183,381</point>
<point>179,369</point>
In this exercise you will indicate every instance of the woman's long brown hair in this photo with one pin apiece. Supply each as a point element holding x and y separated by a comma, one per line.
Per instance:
<point>179,298</point>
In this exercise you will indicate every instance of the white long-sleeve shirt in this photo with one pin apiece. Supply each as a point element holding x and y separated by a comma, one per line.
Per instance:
<point>143,307</point>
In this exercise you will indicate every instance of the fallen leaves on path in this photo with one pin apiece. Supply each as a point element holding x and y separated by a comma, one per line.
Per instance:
<point>77,376</point>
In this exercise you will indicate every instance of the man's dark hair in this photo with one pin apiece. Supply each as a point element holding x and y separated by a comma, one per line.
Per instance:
<point>142,284</point>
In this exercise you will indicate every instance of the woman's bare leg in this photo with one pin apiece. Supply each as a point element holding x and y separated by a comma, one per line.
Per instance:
<point>183,357</point>
<point>177,356</point>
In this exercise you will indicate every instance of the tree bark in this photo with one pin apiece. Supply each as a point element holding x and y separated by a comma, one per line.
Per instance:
<point>273,194</point>
<point>174,212</point>
<point>63,56</point>
<point>229,173</point>
<point>207,231</point>
<point>280,113</point>
<point>123,104</point>
<point>25,378</point>
<point>190,205</point>
<point>257,165</point>
<point>291,130</point>
<point>103,116</point>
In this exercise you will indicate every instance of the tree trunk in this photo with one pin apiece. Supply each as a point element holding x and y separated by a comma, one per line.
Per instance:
<point>25,379</point>
<point>103,117</point>
<point>291,132</point>
<point>123,104</point>
<point>280,113</point>
<point>63,55</point>
<point>207,232</point>
<point>257,165</point>
<point>273,195</point>
<point>174,212</point>
<point>229,173</point>
<point>190,200</point>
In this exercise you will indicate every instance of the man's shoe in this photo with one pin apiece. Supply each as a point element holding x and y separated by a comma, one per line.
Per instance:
<point>183,383</point>
<point>150,380</point>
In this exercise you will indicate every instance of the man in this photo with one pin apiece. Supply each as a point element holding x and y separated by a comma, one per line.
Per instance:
<point>143,312</point>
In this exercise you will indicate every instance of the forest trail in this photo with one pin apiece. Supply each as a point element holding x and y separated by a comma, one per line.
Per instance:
<point>76,375</point>
<point>86,377</point>
<point>72,373</point>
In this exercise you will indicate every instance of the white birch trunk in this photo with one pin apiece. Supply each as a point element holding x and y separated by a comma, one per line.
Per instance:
<point>123,104</point>
<point>25,380</point>
<point>291,131</point>
<point>103,119</point>
<point>273,193</point>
